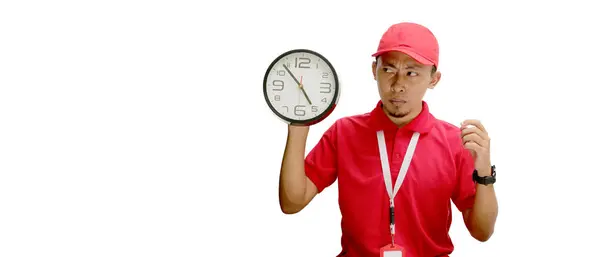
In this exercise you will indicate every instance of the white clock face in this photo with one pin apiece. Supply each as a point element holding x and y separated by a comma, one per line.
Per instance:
<point>301,86</point>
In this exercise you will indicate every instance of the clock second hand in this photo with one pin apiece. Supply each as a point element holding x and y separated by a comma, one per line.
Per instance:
<point>298,82</point>
<point>303,91</point>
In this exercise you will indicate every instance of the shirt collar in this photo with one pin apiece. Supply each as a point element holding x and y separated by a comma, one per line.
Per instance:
<point>422,123</point>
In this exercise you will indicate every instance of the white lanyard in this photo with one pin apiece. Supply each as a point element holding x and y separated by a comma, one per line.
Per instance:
<point>387,176</point>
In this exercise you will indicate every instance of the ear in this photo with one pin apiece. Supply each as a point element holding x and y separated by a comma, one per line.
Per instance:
<point>374,68</point>
<point>435,79</point>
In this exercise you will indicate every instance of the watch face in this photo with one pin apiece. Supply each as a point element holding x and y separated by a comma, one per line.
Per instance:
<point>301,87</point>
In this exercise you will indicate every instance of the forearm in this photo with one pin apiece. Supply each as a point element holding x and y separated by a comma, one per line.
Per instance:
<point>292,181</point>
<point>482,218</point>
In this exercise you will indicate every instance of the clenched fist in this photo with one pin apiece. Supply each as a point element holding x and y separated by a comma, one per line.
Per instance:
<point>476,139</point>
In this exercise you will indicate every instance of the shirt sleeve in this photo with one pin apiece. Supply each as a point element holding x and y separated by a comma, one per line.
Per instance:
<point>320,164</point>
<point>464,191</point>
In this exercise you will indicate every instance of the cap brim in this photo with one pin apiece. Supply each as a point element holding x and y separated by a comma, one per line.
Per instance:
<point>407,51</point>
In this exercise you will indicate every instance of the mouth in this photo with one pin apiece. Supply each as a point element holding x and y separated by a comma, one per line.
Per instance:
<point>397,102</point>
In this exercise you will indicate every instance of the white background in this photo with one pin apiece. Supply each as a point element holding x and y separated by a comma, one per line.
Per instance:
<point>138,128</point>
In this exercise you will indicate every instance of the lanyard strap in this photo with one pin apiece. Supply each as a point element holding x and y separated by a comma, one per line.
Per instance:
<point>387,176</point>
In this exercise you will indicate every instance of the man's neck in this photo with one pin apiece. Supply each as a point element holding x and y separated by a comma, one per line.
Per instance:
<point>402,121</point>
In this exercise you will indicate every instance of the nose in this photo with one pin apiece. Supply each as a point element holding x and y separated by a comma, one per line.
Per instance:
<point>398,85</point>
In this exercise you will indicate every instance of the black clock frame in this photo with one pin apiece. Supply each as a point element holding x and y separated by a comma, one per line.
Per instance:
<point>317,118</point>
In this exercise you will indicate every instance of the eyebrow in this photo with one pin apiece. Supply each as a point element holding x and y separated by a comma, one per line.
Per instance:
<point>386,63</point>
<point>413,66</point>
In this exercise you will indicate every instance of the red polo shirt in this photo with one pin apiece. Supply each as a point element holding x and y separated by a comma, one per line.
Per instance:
<point>440,171</point>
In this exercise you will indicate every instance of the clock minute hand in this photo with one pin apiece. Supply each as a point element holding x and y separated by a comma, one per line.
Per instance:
<point>298,82</point>
<point>292,74</point>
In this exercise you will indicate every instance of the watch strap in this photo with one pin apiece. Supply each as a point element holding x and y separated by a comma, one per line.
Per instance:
<point>485,180</point>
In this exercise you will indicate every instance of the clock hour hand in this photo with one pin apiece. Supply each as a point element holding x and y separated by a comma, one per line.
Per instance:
<point>298,82</point>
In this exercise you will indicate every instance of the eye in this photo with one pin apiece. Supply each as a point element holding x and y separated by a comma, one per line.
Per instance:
<point>388,69</point>
<point>412,74</point>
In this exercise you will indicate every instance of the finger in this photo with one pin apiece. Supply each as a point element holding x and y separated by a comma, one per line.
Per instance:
<point>473,122</point>
<point>474,130</point>
<point>474,147</point>
<point>474,138</point>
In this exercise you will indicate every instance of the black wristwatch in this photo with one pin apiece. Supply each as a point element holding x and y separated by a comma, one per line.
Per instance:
<point>485,180</point>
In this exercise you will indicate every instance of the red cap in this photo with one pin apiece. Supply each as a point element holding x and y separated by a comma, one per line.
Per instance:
<point>412,39</point>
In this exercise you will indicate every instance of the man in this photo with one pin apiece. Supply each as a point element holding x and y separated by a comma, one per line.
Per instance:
<point>432,162</point>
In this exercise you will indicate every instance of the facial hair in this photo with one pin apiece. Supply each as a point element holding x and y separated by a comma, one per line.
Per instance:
<point>396,113</point>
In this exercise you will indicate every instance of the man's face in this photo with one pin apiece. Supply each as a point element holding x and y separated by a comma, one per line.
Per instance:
<point>402,83</point>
